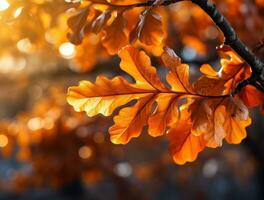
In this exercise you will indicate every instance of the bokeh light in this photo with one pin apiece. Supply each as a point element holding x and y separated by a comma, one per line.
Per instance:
<point>85,152</point>
<point>4,5</point>
<point>3,140</point>
<point>67,50</point>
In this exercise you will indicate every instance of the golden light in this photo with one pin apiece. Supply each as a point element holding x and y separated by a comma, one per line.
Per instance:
<point>35,124</point>
<point>10,64</point>
<point>24,45</point>
<point>85,152</point>
<point>3,140</point>
<point>17,12</point>
<point>48,123</point>
<point>4,5</point>
<point>67,50</point>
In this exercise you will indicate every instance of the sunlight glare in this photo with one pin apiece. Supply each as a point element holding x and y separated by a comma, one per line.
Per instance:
<point>3,5</point>
<point>24,45</point>
<point>67,50</point>
<point>17,12</point>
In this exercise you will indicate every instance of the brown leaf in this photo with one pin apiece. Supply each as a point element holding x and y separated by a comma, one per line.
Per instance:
<point>100,22</point>
<point>149,29</point>
<point>115,38</point>
<point>77,24</point>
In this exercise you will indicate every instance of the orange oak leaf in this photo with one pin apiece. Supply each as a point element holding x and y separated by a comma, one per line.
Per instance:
<point>130,121</point>
<point>105,95</point>
<point>149,29</point>
<point>251,96</point>
<point>237,118</point>
<point>166,114</point>
<point>184,146</point>
<point>210,114</point>
<point>217,119</point>
<point>208,120</point>
<point>201,113</point>
<point>114,37</point>
<point>178,76</point>
<point>207,69</point>
<point>202,120</point>
<point>232,71</point>
<point>216,132</point>
<point>138,65</point>
<point>111,20</point>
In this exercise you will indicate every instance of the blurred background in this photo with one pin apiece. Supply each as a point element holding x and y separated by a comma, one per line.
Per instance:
<point>48,151</point>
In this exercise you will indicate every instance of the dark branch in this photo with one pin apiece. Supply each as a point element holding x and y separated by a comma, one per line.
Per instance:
<point>231,37</point>
<point>145,4</point>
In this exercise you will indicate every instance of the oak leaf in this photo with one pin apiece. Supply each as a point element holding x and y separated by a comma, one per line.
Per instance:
<point>178,76</point>
<point>251,96</point>
<point>114,36</point>
<point>106,95</point>
<point>78,23</point>
<point>237,118</point>
<point>149,29</point>
<point>111,20</point>
<point>204,120</point>
<point>184,146</point>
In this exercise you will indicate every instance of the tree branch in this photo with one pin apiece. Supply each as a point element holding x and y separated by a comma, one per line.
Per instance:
<point>145,4</point>
<point>231,37</point>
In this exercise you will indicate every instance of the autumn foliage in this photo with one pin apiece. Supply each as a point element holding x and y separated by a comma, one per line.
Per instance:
<point>209,115</point>
<point>192,113</point>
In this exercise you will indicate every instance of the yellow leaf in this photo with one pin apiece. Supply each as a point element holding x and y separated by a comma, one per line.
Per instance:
<point>104,96</point>
<point>138,65</point>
